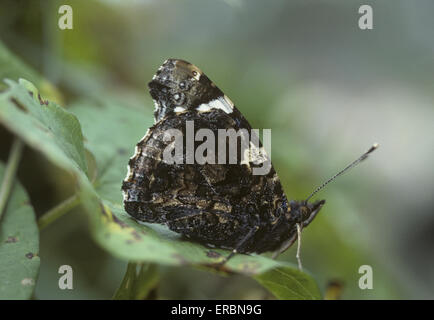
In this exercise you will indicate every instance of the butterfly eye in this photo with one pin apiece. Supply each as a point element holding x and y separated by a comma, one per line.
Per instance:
<point>305,213</point>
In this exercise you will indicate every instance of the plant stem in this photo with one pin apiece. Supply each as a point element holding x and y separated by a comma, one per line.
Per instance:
<point>127,288</point>
<point>9,176</point>
<point>58,211</point>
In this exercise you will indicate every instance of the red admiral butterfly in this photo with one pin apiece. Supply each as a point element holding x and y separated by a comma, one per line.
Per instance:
<point>218,204</point>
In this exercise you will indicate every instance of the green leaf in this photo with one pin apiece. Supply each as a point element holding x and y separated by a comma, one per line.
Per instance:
<point>289,283</point>
<point>19,246</point>
<point>13,68</point>
<point>137,285</point>
<point>43,125</point>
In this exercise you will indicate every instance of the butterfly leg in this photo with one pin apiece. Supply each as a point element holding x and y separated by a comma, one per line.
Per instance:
<point>249,235</point>
<point>317,207</point>
<point>288,243</point>
<point>299,228</point>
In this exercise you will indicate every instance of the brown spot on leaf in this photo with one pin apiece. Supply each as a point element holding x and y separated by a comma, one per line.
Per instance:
<point>119,222</point>
<point>113,217</point>
<point>42,101</point>
<point>219,267</point>
<point>29,255</point>
<point>11,240</point>
<point>136,235</point>
<point>19,105</point>
<point>213,254</point>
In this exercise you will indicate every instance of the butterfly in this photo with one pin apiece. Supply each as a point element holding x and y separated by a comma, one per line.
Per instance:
<point>215,203</point>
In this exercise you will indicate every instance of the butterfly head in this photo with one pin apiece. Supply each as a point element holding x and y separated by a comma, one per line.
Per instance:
<point>179,86</point>
<point>304,212</point>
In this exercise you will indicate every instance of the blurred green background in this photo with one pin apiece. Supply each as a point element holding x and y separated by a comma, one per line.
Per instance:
<point>303,68</point>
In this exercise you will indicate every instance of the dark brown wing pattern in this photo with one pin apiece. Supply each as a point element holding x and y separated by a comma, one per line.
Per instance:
<point>215,204</point>
<point>222,204</point>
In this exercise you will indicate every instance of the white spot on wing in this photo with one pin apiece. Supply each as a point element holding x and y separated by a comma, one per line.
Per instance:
<point>155,104</point>
<point>197,76</point>
<point>222,103</point>
<point>204,107</point>
<point>179,109</point>
<point>228,101</point>
<point>163,108</point>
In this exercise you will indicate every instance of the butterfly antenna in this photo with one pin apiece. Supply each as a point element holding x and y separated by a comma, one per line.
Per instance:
<point>351,165</point>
